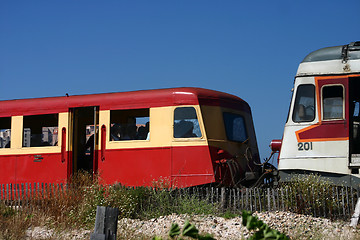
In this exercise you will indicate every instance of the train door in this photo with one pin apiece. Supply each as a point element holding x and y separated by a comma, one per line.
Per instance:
<point>354,121</point>
<point>85,122</point>
<point>191,161</point>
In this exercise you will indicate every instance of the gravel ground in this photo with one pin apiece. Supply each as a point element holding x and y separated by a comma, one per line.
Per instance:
<point>294,225</point>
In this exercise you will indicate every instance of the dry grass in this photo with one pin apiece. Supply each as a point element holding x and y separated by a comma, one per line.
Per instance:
<point>54,211</point>
<point>62,212</point>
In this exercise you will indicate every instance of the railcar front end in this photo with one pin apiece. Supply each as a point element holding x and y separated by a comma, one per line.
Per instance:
<point>321,133</point>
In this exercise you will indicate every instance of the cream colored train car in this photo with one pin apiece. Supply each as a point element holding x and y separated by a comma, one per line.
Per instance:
<point>322,134</point>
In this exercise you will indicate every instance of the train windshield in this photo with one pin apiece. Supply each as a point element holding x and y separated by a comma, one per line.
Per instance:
<point>304,108</point>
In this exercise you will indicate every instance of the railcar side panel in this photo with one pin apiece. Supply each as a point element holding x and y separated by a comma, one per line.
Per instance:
<point>46,168</point>
<point>32,168</point>
<point>8,168</point>
<point>136,167</point>
<point>191,165</point>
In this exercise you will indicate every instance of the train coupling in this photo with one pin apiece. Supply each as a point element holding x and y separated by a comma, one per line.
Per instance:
<point>274,173</point>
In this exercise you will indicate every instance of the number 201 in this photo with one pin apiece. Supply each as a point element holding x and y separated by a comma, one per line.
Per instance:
<point>306,146</point>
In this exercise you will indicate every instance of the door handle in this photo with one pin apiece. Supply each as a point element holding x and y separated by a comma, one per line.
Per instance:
<point>103,142</point>
<point>63,144</point>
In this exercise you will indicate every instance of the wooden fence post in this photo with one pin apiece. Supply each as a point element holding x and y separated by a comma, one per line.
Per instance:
<point>355,217</point>
<point>223,199</point>
<point>105,223</point>
<point>250,200</point>
<point>268,199</point>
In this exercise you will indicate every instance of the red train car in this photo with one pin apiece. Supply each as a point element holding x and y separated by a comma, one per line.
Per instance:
<point>186,136</point>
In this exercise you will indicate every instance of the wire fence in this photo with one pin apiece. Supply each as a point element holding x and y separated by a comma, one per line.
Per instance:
<point>334,202</point>
<point>29,191</point>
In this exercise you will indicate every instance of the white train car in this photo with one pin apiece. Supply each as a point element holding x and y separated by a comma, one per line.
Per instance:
<point>322,132</point>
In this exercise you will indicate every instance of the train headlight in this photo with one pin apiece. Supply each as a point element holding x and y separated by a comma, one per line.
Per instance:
<point>275,145</point>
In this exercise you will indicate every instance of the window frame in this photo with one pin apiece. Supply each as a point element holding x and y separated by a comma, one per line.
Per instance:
<point>10,128</point>
<point>295,104</point>
<point>109,138</point>
<point>244,125</point>
<point>40,146</point>
<point>289,108</point>
<point>322,102</point>
<point>199,120</point>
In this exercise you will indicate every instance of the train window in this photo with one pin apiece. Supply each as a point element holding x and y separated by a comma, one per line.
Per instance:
<point>235,127</point>
<point>356,109</point>
<point>5,132</point>
<point>40,130</point>
<point>304,108</point>
<point>129,125</point>
<point>186,124</point>
<point>333,102</point>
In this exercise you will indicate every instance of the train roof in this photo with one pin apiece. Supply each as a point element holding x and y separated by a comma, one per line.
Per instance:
<point>123,100</point>
<point>332,60</point>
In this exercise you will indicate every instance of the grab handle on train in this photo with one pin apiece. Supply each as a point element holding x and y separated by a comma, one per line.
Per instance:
<point>63,144</point>
<point>103,142</point>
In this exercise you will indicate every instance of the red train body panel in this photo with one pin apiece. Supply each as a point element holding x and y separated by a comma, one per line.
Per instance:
<point>123,100</point>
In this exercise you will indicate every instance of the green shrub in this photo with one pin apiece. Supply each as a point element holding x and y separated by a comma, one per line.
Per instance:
<point>102,195</point>
<point>160,203</point>
<point>261,229</point>
<point>191,204</point>
<point>139,202</point>
<point>309,194</point>
<point>6,211</point>
<point>229,214</point>
<point>189,230</point>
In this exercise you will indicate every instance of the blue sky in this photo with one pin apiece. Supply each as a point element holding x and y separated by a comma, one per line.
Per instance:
<point>247,48</point>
